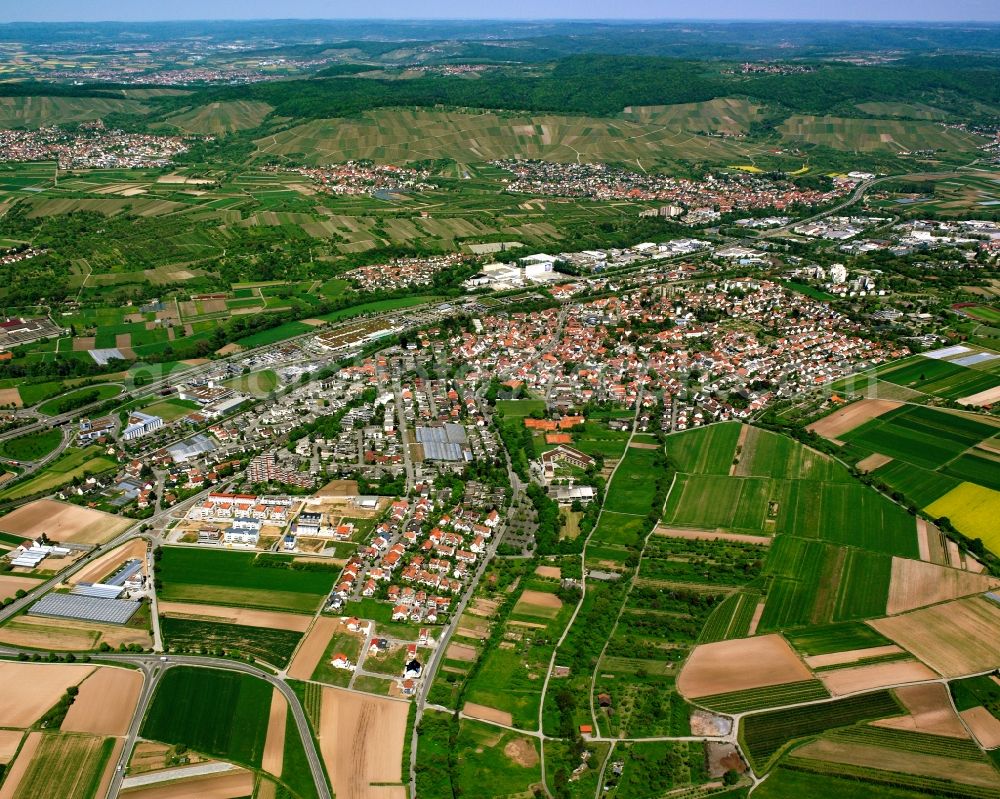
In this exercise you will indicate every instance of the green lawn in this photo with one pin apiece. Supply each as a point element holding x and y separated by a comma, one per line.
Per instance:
<point>485,770</point>
<point>78,398</point>
<point>258,384</point>
<point>32,446</point>
<point>71,464</point>
<point>518,409</point>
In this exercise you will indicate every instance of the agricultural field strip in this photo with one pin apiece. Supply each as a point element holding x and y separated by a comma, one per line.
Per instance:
<point>621,609</point>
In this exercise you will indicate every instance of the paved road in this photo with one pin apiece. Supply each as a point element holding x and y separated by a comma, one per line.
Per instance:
<point>154,668</point>
<point>132,532</point>
<point>197,770</point>
<point>852,198</point>
<point>430,670</point>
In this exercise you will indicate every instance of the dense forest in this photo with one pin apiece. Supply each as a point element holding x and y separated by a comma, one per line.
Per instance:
<point>603,85</point>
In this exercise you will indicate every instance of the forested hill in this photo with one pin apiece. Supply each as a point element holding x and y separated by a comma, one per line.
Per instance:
<point>604,85</point>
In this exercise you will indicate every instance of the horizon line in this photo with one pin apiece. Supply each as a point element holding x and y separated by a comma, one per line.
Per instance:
<point>646,20</point>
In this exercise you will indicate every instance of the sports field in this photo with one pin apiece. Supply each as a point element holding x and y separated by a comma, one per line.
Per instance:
<point>220,713</point>
<point>231,578</point>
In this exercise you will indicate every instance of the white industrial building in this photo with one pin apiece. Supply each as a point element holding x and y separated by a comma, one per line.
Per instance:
<point>140,424</point>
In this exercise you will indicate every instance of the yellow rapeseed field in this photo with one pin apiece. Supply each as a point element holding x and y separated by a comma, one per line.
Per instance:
<point>973,510</point>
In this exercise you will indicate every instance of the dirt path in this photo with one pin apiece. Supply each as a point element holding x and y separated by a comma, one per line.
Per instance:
<point>274,748</point>
<point>744,432</point>
<point>474,711</point>
<point>712,535</point>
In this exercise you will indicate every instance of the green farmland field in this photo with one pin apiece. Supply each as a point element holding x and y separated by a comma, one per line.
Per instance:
<point>765,734</point>
<point>231,578</point>
<point>770,696</point>
<point>219,713</point>
<point>274,334</point>
<point>190,635</point>
<point>839,512</point>
<point>767,454</point>
<point>826,638</point>
<point>816,583</point>
<point>99,392</point>
<point>975,469</point>
<point>633,490</point>
<point>920,485</point>
<point>941,378</point>
<point>707,450</point>
<point>928,448</point>
<point>788,783</point>
<point>66,764</point>
<point>731,618</point>
<point>378,306</point>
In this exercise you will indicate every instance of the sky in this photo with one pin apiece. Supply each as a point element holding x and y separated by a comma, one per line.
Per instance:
<point>155,10</point>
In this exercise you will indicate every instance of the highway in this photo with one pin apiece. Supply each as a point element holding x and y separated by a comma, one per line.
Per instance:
<point>852,198</point>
